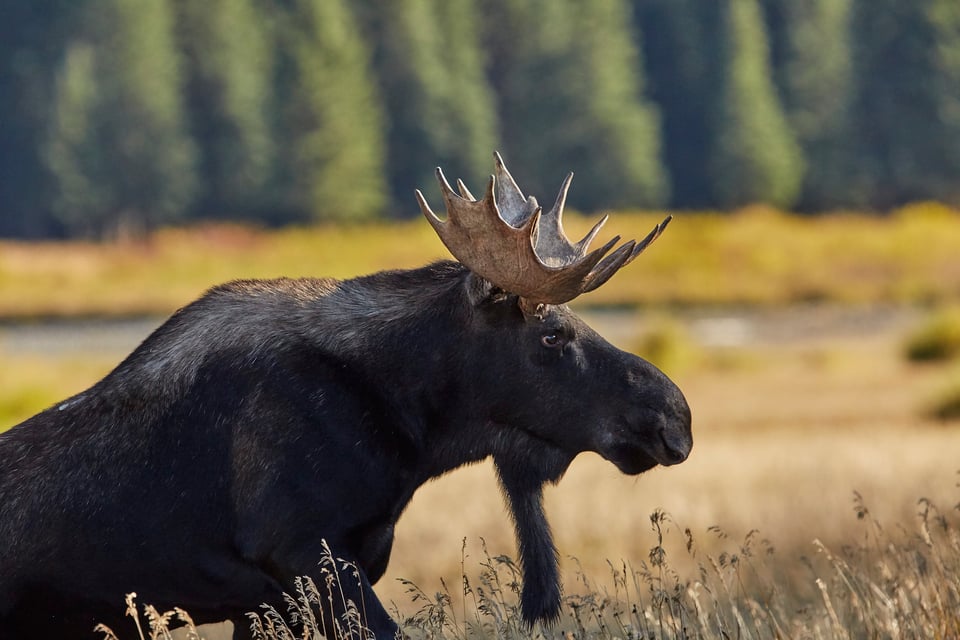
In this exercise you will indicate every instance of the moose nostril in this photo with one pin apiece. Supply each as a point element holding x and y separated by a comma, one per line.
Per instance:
<point>675,451</point>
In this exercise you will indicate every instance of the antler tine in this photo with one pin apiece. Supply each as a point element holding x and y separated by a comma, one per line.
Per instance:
<point>449,195</point>
<point>464,191</point>
<point>587,239</point>
<point>655,233</point>
<point>425,207</point>
<point>507,239</point>
<point>609,266</point>
<point>515,208</point>
<point>552,244</point>
<point>555,215</point>
<point>623,256</point>
<point>648,240</point>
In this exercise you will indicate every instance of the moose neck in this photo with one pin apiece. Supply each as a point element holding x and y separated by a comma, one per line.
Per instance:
<point>407,333</point>
<point>417,334</point>
<point>400,332</point>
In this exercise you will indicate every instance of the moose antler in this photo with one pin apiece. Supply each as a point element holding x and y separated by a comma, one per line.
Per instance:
<point>506,239</point>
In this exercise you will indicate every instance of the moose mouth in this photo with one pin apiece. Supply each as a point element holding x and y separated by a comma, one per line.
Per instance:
<point>631,459</point>
<point>634,450</point>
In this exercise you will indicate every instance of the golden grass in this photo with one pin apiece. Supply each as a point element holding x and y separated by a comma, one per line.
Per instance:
<point>755,256</point>
<point>174,266</point>
<point>891,583</point>
<point>31,382</point>
<point>786,428</point>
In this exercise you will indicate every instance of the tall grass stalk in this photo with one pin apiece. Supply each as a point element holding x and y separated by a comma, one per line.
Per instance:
<point>900,582</point>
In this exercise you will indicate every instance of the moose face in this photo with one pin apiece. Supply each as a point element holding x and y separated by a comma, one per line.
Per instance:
<point>562,384</point>
<point>566,387</point>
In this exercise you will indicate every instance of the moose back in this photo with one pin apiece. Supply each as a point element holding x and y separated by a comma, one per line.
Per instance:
<point>272,417</point>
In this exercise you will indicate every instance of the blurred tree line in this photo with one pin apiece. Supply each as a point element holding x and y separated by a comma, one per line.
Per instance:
<point>119,115</point>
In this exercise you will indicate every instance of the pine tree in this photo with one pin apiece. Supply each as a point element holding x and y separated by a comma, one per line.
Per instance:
<point>624,165</point>
<point>754,156</point>
<point>117,144</point>
<point>229,67</point>
<point>439,104</point>
<point>84,194</point>
<point>908,110</point>
<point>815,73</point>
<point>944,17</point>
<point>570,85</point>
<point>329,123</point>
<point>680,39</point>
<point>525,40</point>
<point>31,47</point>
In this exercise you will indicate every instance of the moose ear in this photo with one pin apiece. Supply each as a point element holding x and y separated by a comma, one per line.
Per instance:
<point>481,291</point>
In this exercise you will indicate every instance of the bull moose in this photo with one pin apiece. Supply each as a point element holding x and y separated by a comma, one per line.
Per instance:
<point>270,418</point>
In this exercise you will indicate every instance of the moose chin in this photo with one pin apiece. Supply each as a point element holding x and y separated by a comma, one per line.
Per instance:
<point>270,418</point>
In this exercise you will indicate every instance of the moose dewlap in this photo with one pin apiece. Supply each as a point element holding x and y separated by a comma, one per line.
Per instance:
<point>270,418</point>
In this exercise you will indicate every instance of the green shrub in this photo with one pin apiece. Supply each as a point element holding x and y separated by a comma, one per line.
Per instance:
<point>668,345</point>
<point>938,339</point>
<point>946,405</point>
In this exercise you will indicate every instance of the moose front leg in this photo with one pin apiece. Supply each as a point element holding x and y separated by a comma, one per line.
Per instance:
<point>540,599</point>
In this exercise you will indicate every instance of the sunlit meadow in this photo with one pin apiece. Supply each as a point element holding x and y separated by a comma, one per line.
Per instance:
<point>821,497</point>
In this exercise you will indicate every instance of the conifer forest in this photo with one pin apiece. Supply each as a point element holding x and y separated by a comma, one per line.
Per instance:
<point>125,115</point>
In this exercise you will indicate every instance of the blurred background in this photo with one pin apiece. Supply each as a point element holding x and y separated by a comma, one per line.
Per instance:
<point>805,297</point>
<point>118,116</point>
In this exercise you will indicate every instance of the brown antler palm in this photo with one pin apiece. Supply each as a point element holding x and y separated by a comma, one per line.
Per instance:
<point>506,239</point>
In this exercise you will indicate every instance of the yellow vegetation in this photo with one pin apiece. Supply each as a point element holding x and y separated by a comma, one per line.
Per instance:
<point>755,256</point>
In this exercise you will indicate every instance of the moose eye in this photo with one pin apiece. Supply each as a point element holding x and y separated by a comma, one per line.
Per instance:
<point>550,340</point>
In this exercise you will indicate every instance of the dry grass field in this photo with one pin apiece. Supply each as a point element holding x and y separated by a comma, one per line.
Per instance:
<point>787,336</point>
